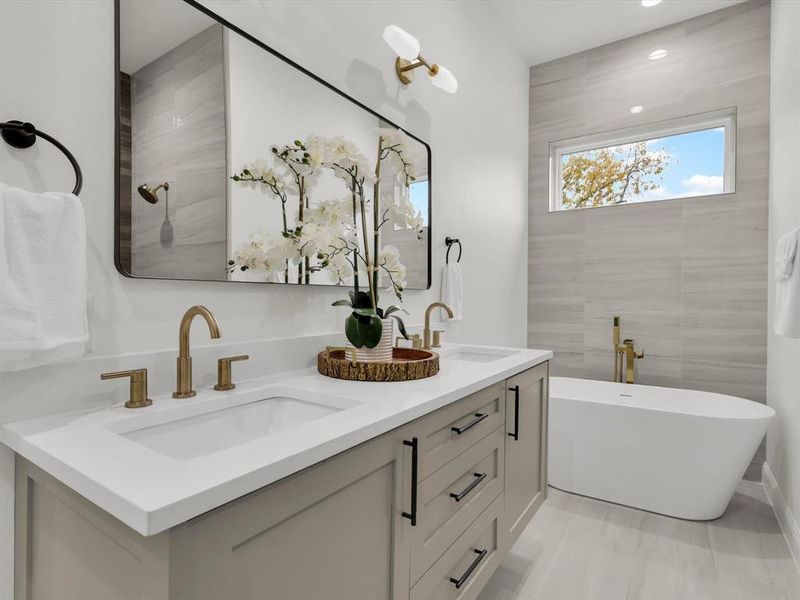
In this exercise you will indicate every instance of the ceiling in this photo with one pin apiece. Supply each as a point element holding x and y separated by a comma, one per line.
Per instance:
<point>544,30</point>
<point>149,30</point>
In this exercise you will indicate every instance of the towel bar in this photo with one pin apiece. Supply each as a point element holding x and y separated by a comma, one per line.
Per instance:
<point>23,135</point>
<point>450,242</point>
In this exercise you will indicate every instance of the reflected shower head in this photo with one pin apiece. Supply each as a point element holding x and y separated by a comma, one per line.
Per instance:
<point>151,193</point>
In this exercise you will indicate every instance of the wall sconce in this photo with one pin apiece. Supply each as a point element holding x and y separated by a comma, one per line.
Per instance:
<point>406,46</point>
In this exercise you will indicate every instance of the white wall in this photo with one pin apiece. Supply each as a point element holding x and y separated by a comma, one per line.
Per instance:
<point>783,375</point>
<point>59,75</point>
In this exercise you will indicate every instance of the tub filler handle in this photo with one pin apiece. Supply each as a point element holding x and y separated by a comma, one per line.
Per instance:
<point>515,434</point>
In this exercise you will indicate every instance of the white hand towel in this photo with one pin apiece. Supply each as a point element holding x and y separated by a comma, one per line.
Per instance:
<point>452,290</point>
<point>42,278</point>
<point>787,286</point>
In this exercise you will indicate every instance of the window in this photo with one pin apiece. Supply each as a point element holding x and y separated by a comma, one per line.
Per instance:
<point>683,158</point>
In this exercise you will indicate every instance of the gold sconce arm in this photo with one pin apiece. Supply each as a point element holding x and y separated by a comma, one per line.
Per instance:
<point>404,67</point>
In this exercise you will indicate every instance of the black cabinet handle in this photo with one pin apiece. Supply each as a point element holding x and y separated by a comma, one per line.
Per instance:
<point>472,485</point>
<point>463,579</point>
<point>515,433</point>
<point>478,418</point>
<point>414,444</point>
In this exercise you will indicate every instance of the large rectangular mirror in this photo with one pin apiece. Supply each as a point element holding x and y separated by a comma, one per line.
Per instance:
<point>236,164</point>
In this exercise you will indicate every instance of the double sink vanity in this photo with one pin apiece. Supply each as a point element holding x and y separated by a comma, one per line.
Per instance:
<point>291,486</point>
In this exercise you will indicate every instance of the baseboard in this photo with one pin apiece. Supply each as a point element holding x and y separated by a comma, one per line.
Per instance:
<point>787,521</point>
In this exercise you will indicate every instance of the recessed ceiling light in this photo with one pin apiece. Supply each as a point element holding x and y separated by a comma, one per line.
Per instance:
<point>637,109</point>
<point>649,3</point>
<point>657,54</point>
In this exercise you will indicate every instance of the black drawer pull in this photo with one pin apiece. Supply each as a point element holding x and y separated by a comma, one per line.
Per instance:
<point>515,433</point>
<point>478,418</point>
<point>463,579</point>
<point>412,515</point>
<point>472,485</point>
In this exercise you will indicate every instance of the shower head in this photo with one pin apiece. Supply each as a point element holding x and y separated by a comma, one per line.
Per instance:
<point>150,193</point>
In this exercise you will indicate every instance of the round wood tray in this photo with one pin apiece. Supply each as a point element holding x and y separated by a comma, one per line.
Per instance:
<point>406,364</point>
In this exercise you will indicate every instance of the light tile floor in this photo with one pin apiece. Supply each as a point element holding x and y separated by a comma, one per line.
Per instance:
<point>576,548</point>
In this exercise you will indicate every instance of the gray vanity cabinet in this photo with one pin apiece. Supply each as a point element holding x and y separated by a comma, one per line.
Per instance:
<point>334,531</point>
<point>331,532</point>
<point>526,448</point>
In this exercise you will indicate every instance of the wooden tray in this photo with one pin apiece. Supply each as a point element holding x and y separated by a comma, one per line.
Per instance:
<point>406,364</point>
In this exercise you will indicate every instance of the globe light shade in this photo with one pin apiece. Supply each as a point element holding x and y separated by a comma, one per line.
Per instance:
<point>403,43</point>
<point>445,80</point>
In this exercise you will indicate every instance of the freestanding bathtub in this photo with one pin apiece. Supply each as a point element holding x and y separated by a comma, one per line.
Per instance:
<point>676,452</point>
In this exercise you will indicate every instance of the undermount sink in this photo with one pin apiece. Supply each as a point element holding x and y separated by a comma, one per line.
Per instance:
<point>484,355</point>
<point>188,436</point>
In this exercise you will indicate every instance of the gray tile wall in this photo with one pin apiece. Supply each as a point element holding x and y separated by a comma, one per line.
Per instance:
<point>178,135</point>
<point>688,276</point>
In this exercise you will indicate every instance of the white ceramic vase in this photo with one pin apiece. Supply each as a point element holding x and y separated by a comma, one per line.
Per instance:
<point>383,351</point>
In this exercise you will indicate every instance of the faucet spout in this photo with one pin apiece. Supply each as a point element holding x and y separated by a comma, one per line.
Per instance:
<point>186,324</point>
<point>184,370</point>
<point>426,334</point>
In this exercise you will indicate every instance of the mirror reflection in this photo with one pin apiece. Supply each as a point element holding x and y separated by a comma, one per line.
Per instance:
<point>235,165</point>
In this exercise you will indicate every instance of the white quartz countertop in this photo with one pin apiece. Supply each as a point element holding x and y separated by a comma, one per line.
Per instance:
<point>151,491</point>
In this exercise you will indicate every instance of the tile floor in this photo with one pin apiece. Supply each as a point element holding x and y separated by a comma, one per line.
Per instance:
<point>578,548</point>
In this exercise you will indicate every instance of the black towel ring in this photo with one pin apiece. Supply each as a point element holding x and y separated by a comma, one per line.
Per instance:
<point>23,135</point>
<point>450,242</point>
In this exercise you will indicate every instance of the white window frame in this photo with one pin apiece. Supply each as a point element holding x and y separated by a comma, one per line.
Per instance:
<point>725,118</point>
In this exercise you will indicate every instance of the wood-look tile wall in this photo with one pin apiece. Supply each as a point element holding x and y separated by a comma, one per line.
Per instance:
<point>688,276</point>
<point>178,136</point>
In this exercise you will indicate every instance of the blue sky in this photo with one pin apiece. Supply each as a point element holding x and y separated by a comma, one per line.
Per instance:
<point>696,164</point>
<point>419,198</point>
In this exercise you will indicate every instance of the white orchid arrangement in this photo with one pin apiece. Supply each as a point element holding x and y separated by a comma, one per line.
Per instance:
<point>332,235</point>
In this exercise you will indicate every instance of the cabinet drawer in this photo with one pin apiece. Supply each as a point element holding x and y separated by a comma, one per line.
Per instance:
<point>450,431</point>
<point>454,496</point>
<point>464,569</point>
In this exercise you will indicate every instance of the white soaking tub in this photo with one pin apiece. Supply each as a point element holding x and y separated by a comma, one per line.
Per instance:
<point>676,452</point>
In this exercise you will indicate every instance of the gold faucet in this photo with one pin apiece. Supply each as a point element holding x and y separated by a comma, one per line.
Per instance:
<point>627,350</point>
<point>184,359</point>
<point>630,356</point>
<point>426,334</point>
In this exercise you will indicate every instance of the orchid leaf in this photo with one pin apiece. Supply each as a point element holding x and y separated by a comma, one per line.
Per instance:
<point>371,332</point>
<point>393,309</point>
<point>342,303</point>
<point>361,300</point>
<point>400,326</point>
<point>353,332</point>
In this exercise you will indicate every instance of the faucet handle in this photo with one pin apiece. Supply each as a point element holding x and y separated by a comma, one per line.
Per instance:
<point>640,354</point>
<point>224,382</point>
<point>437,338</point>
<point>138,390</point>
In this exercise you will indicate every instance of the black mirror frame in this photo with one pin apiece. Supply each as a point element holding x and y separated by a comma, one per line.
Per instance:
<point>291,63</point>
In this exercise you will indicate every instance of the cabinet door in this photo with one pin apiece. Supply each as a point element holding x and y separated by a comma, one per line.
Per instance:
<point>526,448</point>
<point>332,532</point>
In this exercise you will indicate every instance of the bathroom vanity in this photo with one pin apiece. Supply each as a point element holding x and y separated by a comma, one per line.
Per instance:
<point>411,490</point>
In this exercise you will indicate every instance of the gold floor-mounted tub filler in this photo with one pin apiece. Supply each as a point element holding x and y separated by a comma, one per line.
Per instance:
<point>625,356</point>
